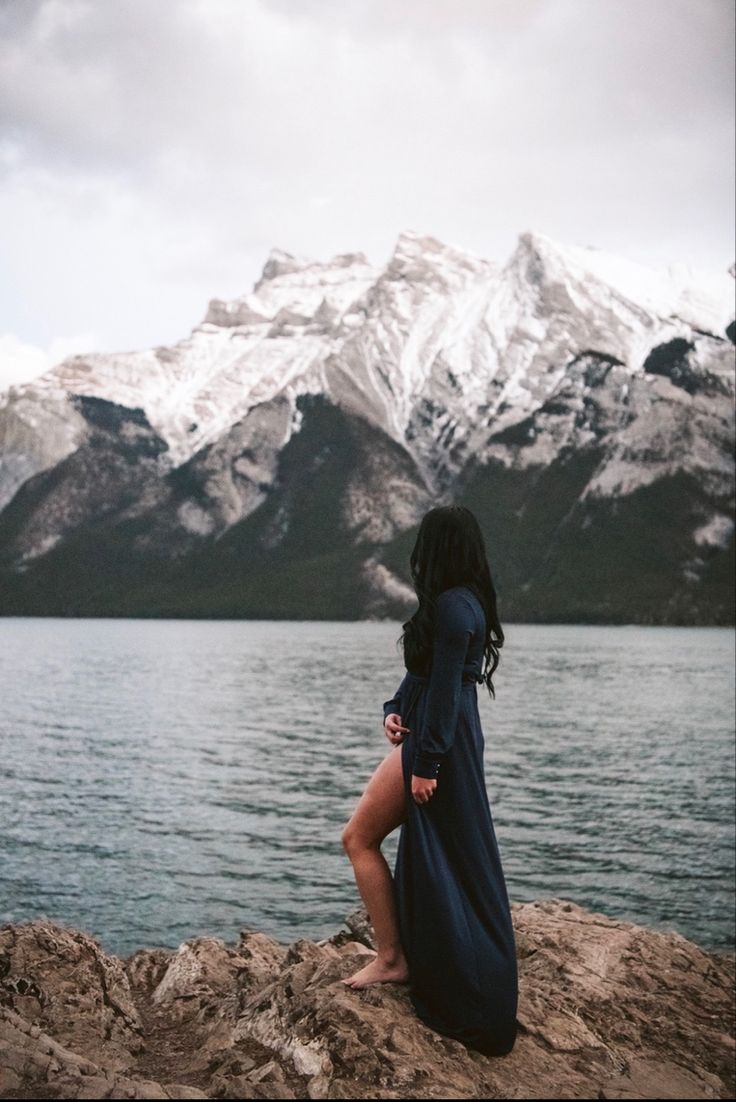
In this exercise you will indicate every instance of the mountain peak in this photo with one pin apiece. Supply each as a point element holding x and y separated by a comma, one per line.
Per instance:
<point>411,242</point>
<point>700,298</point>
<point>280,263</point>
<point>419,256</point>
<point>539,245</point>
<point>534,239</point>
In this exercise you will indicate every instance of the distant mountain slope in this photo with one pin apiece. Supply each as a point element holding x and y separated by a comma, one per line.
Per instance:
<point>277,461</point>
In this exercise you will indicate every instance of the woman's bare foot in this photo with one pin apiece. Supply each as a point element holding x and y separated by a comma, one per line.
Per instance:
<point>377,971</point>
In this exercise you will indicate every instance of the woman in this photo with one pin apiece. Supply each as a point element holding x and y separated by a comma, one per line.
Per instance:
<point>443,922</point>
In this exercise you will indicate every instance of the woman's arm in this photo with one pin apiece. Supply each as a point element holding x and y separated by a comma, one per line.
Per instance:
<point>454,624</point>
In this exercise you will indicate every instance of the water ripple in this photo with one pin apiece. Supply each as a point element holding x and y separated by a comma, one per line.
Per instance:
<point>165,778</point>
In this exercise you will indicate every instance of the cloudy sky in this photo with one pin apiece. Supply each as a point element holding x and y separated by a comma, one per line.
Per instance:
<point>152,152</point>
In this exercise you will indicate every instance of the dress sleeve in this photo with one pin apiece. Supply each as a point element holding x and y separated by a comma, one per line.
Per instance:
<point>395,703</point>
<point>453,627</point>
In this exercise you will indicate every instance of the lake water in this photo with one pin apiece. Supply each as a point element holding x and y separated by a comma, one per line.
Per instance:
<point>167,778</point>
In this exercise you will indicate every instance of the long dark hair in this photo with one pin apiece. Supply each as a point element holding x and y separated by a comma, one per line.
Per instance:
<point>449,550</point>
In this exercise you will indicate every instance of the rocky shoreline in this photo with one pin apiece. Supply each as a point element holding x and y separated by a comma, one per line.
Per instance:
<point>607,1009</point>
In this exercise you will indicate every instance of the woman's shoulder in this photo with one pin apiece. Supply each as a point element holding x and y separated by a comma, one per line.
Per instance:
<point>459,593</point>
<point>459,601</point>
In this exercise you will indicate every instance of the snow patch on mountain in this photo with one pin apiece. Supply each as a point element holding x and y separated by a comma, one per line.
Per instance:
<point>716,532</point>
<point>382,584</point>
<point>440,349</point>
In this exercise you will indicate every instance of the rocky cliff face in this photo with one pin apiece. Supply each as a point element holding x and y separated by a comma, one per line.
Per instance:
<point>607,1009</point>
<point>580,404</point>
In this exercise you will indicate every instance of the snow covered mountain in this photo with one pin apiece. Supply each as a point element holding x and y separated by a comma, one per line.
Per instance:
<point>565,396</point>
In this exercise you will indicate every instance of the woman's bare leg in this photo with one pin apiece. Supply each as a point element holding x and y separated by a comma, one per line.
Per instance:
<point>381,809</point>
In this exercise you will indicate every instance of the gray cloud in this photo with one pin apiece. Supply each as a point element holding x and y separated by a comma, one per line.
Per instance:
<point>152,153</point>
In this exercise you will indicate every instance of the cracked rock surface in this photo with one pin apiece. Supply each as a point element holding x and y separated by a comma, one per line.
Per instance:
<point>607,1009</point>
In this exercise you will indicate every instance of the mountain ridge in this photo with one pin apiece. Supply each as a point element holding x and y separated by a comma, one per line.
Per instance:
<point>455,364</point>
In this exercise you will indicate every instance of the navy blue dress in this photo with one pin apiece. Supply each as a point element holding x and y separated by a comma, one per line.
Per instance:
<point>453,908</point>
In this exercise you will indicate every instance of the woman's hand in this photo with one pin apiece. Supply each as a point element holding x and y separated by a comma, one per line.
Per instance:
<point>422,789</point>
<point>393,729</point>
